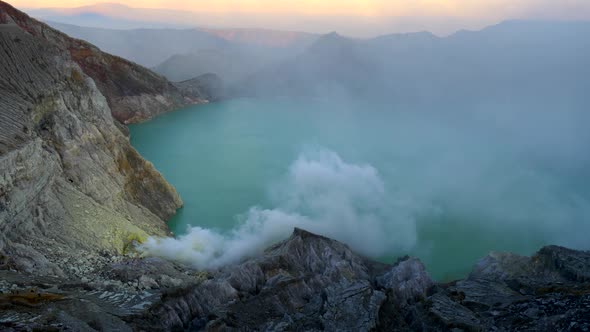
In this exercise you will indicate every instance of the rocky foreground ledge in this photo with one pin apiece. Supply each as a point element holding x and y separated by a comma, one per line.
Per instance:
<point>311,283</point>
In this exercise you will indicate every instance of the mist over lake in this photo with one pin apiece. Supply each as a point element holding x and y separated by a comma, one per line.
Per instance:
<point>386,179</point>
<point>442,148</point>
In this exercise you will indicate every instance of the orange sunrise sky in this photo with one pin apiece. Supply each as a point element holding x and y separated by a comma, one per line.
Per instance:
<point>496,9</point>
<point>355,18</point>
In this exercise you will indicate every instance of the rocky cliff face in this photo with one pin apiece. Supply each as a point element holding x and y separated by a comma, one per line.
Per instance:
<point>133,93</point>
<point>309,283</point>
<point>70,182</point>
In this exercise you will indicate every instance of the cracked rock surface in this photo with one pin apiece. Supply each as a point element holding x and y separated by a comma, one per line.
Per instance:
<point>308,283</point>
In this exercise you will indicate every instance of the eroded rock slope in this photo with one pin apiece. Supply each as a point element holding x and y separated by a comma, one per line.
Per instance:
<point>70,182</point>
<point>133,92</point>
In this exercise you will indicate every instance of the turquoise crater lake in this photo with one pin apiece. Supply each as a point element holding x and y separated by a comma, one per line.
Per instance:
<point>448,186</point>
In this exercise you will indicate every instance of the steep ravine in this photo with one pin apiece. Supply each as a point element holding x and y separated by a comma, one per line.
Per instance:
<point>75,197</point>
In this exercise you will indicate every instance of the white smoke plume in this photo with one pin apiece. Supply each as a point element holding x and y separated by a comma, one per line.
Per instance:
<point>322,194</point>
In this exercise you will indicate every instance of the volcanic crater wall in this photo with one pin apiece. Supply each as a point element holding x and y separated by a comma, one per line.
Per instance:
<point>70,182</point>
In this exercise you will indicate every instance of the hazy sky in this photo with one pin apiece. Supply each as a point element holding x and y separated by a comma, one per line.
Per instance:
<point>354,17</point>
<point>463,8</point>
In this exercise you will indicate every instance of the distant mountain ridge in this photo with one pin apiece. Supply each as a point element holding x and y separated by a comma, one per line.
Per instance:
<point>402,66</point>
<point>263,37</point>
<point>147,47</point>
<point>514,58</point>
<point>181,54</point>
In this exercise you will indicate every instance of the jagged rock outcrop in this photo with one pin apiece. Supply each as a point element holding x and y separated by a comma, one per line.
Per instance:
<point>70,182</point>
<point>312,283</point>
<point>305,283</point>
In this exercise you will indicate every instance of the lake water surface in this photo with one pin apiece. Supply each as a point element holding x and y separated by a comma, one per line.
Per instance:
<point>446,186</point>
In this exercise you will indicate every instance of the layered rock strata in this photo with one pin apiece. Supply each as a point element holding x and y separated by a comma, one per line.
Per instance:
<point>70,182</point>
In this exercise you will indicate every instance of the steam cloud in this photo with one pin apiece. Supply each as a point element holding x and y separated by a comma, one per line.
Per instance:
<point>488,151</point>
<point>322,194</point>
<point>461,175</point>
